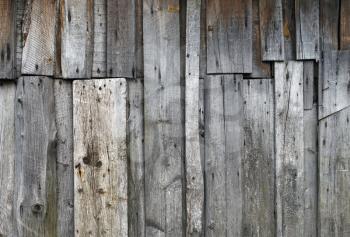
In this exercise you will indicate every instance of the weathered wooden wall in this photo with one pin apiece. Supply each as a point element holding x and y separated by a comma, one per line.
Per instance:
<point>175,118</point>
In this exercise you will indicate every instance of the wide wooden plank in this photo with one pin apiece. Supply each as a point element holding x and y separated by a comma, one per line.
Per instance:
<point>289,34</point>
<point>76,38</point>
<point>39,37</point>
<point>7,39</point>
<point>121,38</point>
<point>271,30</point>
<point>7,157</point>
<point>345,24</point>
<point>329,24</point>
<point>307,29</point>
<point>35,199</point>
<point>289,148</point>
<point>309,85</point>
<point>229,36</point>
<point>258,162</point>
<point>334,175</point>
<point>164,119</point>
<point>100,157</point>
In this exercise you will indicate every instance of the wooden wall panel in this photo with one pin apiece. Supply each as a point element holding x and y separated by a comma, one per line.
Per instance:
<point>289,34</point>
<point>20,8</point>
<point>100,157</point>
<point>345,24</point>
<point>329,24</point>
<point>309,85</point>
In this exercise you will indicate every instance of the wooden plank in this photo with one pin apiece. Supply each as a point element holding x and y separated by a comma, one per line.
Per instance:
<point>136,183</point>
<point>334,90</point>
<point>229,36</point>
<point>193,163</point>
<point>289,148</point>
<point>100,157</point>
<point>20,7</point>
<point>35,199</point>
<point>344,25</point>
<point>7,157</point>
<point>203,41</point>
<point>139,39</point>
<point>39,37</point>
<point>271,26</point>
<point>334,175</point>
<point>121,38</point>
<point>308,86</point>
<point>7,39</point>
<point>76,38</point>
<point>65,180</point>
<point>258,162</point>
<point>164,119</point>
<point>289,34</point>
<point>329,24</point>
<point>307,29</point>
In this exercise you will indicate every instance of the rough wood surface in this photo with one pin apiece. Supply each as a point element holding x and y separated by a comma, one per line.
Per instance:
<point>334,175</point>
<point>289,33</point>
<point>229,36</point>
<point>345,24</point>
<point>139,39</point>
<point>39,40</point>
<point>271,30</point>
<point>309,85</point>
<point>20,7</point>
<point>203,41</point>
<point>100,157</point>
<point>307,29</point>
<point>289,148</point>
<point>35,202</point>
<point>329,24</point>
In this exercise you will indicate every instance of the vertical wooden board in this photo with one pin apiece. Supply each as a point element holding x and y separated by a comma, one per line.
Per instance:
<point>271,30</point>
<point>334,175</point>
<point>35,187</point>
<point>76,38</point>
<point>20,7</point>
<point>164,119</point>
<point>39,37</point>
<point>121,38</point>
<point>65,181</point>
<point>7,39</point>
<point>136,178</point>
<point>308,86</point>
<point>289,148</point>
<point>289,33</point>
<point>307,29</point>
<point>139,39</point>
<point>100,157</point>
<point>203,50</point>
<point>258,177</point>
<point>7,156</point>
<point>345,24</point>
<point>229,36</point>
<point>329,24</point>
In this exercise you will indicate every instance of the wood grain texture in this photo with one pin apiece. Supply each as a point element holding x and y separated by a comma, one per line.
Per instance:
<point>164,119</point>
<point>20,8</point>
<point>271,30</point>
<point>289,32</point>
<point>7,157</point>
<point>35,201</point>
<point>39,37</point>
<point>139,39</point>
<point>334,175</point>
<point>203,41</point>
<point>76,38</point>
<point>345,25</point>
<point>229,36</point>
<point>329,24</point>
<point>307,29</point>
<point>289,148</point>
<point>100,157</point>
<point>7,39</point>
<point>309,85</point>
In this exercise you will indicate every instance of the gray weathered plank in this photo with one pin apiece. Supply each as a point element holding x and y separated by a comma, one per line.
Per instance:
<point>76,38</point>
<point>7,39</point>
<point>35,199</point>
<point>258,162</point>
<point>100,157</point>
<point>20,7</point>
<point>203,52</point>
<point>344,25</point>
<point>334,175</point>
<point>229,36</point>
<point>289,33</point>
<point>139,39</point>
<point>308,87</point>
<point>136,178</point>
<point>329,24</point>
<point>39,37</point>
<point>7,156</point>
<point>271,30</point>
<point>289,148</point>
<point>307,29</point>
<point>65,179</point>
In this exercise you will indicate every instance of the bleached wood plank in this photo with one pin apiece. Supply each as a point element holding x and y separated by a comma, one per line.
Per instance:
<point>345,25</point>
<point>100,157</point>
<point>329,24</point>
<point>309,85</point>
<point>203,41</point>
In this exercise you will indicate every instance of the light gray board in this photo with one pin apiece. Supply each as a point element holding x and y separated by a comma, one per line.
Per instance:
<point>20,6</point>
<point>203,50</point>
<point>309,85</point>
<point>229,36</point>
<point>334,175</point>
<point>329,24</point>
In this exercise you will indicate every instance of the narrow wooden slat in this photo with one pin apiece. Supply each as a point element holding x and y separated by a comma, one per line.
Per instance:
<point>334,175</point>
<point>121,38</point>
<point>203,52</point>
<point>289,33</point>
<point>100,157</point>
<point>308,86</point>
<point>289,148</point>
<point>345,24</point>
<point>229,36</point>
<point>39,37</point>
<point>329,24</point>
<point>35,199</point>
<point>20,7</point>
<point>271,26</point>
<point>7,157</point>
<point>307,29</point>
<point>76,38</point>
<point>7,39</point>
<point>139,39</point>
<point>258,162</point>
